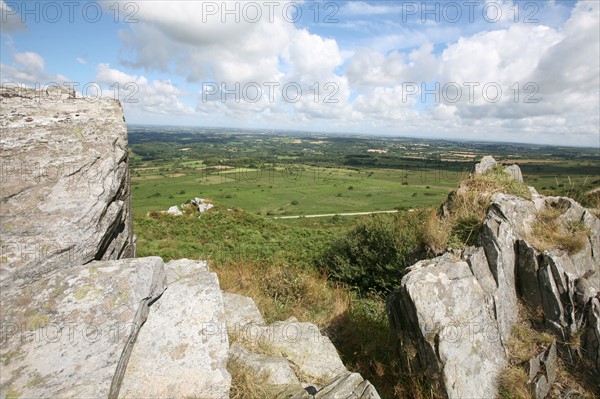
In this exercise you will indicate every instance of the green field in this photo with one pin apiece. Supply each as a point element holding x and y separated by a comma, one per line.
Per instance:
<point>301,174</point>
<point>291,190</point>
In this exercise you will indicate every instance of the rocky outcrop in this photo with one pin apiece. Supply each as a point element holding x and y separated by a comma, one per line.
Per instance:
<point>488,162</point>
<point>78,319</point>
<point>78,332</point>
<point>446,327</point>
<point>293,359</point>
<point>65,194</point>
<point>70,333</point>
<point>198,205</point>
<point>453,314</point>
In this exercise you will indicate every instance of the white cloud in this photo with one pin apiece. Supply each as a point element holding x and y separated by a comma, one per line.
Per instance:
<point>140,96</point>
<point>559,67</point>
<point>29,68</point>
<point>11,20</point>
<point>555,61</point>
<point>184,37</point>
<point>30,61</point>
<point>369,67</point>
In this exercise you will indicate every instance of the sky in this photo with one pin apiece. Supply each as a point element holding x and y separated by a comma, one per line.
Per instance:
<point>485,70</point>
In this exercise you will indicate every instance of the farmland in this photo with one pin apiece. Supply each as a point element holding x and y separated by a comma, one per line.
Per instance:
<point>299,174</point>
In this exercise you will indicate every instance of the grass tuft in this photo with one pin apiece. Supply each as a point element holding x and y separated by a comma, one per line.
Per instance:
<point>246,383</point>
<point>512,384</point>
<point>467,209</point>
<point>549,231</point>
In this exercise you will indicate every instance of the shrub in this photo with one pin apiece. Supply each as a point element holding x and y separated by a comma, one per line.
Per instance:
<point>373,256</point>
<point>294,202</point>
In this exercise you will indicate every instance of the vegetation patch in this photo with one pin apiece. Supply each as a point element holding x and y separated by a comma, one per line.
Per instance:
<point>512,384</point>
<point>467,209</point>
<point>246,383</point>
<point>551,231</point>
<point>528,340</point>
<point>374,255</point>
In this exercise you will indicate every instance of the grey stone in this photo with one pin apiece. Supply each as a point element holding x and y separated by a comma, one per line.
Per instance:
<point>475,257</point>
<point>486,163</point>
<point>240,311</point>
<point>446,327</point>
<point>541,371</point>
<point>69,334</point>
<point>527,270</point>
<point>312,354</point>
<point>66,197</point>
<point>182,351</point>
<point>276,369</point>
<point>498,239</point>
<point>514,172</point>
<point>591,334</point>
<point>584,290</point>
<point>348,385</point>
<point>183,268</point>
<point>175,211</point>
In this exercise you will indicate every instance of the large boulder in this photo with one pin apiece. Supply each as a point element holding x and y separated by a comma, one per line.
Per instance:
<point>182,350</point>
<point>445,324</point>
<point>240,311</point>
<point>348,385</point>
<point>70,333</point>
<point>65,197</point>
<point>312,353</point>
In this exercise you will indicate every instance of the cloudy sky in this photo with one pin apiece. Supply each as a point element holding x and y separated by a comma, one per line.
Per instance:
<point>494,70</point>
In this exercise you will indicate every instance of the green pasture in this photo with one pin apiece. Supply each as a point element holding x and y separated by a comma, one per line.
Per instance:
<point>291,190</point>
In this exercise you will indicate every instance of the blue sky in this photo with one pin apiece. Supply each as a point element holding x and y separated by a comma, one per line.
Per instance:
<point>493,70</point>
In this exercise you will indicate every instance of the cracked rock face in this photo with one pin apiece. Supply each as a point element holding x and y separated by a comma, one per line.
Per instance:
<point>445,322</point>
<point>69,334</point>
<point>65,193</point>
<point>453,314</point>
<point>182,349</point>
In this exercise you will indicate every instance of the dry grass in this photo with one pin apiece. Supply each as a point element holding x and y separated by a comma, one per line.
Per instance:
<point>467,208</point>
<point>525,342</point>
<point>284,291</point>
<point>512,384</point>
<point>255,344</point>
<point>570,379</point>
<point>246,383</point>
<point>550,232</point>
<point>436,232</point>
